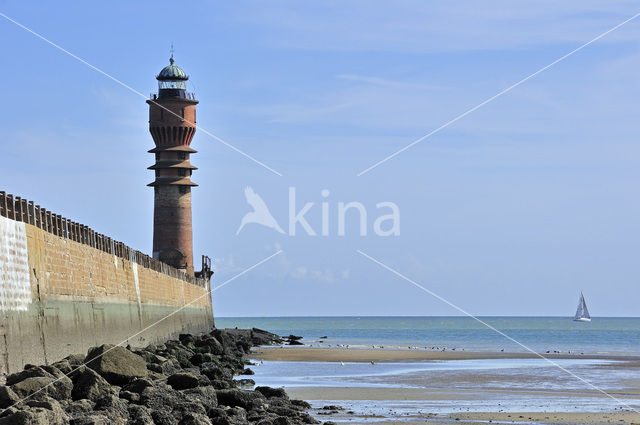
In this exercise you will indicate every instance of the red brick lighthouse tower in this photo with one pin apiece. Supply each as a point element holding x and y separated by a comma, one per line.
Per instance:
<point>172,117</point>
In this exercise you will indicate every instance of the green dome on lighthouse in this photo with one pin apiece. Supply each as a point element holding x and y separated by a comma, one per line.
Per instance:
<point>172,72</point>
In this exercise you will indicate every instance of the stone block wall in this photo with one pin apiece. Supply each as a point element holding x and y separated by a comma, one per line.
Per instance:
<point>63,292</point>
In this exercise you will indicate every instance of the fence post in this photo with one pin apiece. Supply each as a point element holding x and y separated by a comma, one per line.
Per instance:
<point>24,207</point>
<point>46,220</point>
<point>3,204</point>
<point>31,213</point>
<point>17,208</point>
<point>38,218</point>
<point>58,225</point>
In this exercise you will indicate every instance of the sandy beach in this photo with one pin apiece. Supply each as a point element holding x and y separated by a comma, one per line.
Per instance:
<point>410,398</point>
<point>309,354</point>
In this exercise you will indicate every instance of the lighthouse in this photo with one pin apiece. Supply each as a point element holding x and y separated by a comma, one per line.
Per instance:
<point>172,124</point>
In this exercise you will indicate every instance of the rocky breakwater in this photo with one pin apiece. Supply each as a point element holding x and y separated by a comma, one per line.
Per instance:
<point>189,381</point>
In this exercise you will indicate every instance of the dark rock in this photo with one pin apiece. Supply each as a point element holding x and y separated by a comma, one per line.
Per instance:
<point>7,397</point>
<point>186,339</point>
<point>32,372</point>
<point>75,408</point>
<point>195,419</point>
<point>75,360</point>
<point>88,384</point>
<point>245,382</point>
<point>218,416</point>
<point>215,372</point>
<point>161,397</point>
<point>170,367</point>
<point>237,415</point>
<point>308,419</point>
<point>269,392</point>
<point>182,381</point>
<point>282,420</point>
<point>242,398</point>
<point>116,364</point>
<point>206,396</point>
<point>137,385</point>
<point>214,345</point>
<point>162,417</point>
<point>332,407</point>
<point>46,403</point>
<point>113,408</point>
<point>93,419</point>
<point>247,371</point>
<point>301,404</point>
<point>150,357</point>
<point>36,416</point>
<point>139,415</point>
<point>57,388</point>
<point>130,396</point>
<point>63,366</point>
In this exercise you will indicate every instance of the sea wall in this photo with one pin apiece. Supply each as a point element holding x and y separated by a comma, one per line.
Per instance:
<point>62,293</point>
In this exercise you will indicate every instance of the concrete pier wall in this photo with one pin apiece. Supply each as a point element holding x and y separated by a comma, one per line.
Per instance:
<point>60,296</point>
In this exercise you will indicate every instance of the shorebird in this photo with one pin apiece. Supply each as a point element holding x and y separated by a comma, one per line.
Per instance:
<point>341,363</point>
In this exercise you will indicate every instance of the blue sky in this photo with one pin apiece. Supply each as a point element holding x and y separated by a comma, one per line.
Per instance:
<point>513,210</point>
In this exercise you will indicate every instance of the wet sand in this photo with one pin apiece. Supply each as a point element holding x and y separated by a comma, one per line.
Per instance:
<point>622,418</point>
<point>308,354</point>
<point>442,388</point>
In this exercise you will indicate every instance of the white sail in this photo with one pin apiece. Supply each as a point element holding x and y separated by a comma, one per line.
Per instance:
<point>582,313</point>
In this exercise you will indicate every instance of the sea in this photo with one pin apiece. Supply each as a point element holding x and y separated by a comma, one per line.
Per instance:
<point>603,335</point>
<point>451,386</point>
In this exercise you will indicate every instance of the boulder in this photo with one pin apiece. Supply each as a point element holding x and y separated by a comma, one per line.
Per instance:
<point>113,408</point>
<point>57,388</point>
<point>92,419</point>
<point>36,416</point>
<point>195,419</point>
<point>245,382</point>
<point>75,360</point>
<point>161,397</point>
<point>76,408</point>
<point>130,396</point>
<point>269,392</point>
<point>116,364</point>
<point>206,396</point>
<point>240,398</point>
<point>8,397</point>
<point>301,404</point>
<point>162,417</point>
<point>138,385</point>
<point>182,381</point>
<point>32,372</point>
<point>139,415</point>
<point>88,384</point>
<point>63,366</point>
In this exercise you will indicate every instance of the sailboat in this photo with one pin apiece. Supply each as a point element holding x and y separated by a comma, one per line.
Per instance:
<point>582,314</point>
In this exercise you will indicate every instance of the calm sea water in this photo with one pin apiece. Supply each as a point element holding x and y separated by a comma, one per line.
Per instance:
<point>602,335</point>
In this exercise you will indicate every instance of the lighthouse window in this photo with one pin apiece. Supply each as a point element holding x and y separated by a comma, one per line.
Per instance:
<point>184,189</point>
<point>182,155</point>
<point>182,172</point>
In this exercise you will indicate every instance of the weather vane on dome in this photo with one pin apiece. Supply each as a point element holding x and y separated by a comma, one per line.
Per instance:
<point>172,60</point>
